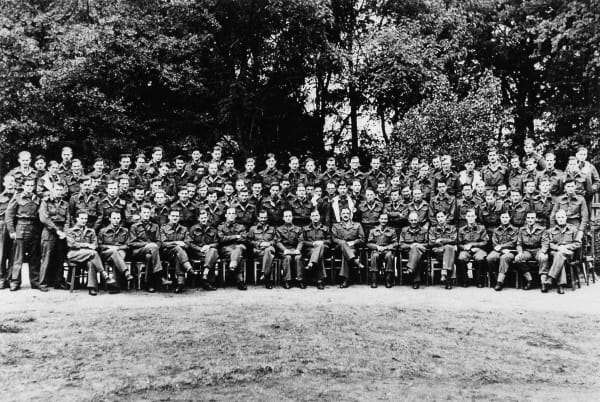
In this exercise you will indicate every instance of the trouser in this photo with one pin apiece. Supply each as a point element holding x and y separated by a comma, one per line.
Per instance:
<point>209,261</point>
<point>446,254</point>
<point>267,255</point>
<point>6,245</point>
<point>478,258</point>
<point>415,256</point>
<point>287,266</point>
<point>54,253</point>
<point>377,257</point>
<point>315,256</point>
<point>349,254</point>
<point>27,242</point>
<point>93,261</point>
<point>116,258</point>
<point>150,255</point>
<point>234,253</point>
<point>179,258</point>
<point>528,255</point>
<point>557,269</point>
<point>499,262</point>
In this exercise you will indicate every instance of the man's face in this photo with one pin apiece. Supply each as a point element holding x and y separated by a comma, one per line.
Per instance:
<point>406,193</point>
<point>318,192</point>
<point>395,182</point>
<point>76,167</point>
<point>301,192</point>
<point>230,215</point>
<point>155,186</point>
<point>345,214</point>
<point>492,157</point>
<point>203,218</point>
<point>413,219</point>
<point>315,217</point>
<point>212,198</point>
<point>159,198</point>
<point>285,184</point>
<point>82,219</point>
<point>243,196</point>
<point>470,166</point>
<point>528,148</point>
<point>125,163</point>
<point>383,219</point>
<point>381,188</point>
<point>550,161</point>
<point>115,219</point>
<point>40,164</point>
<point>157,156</point>
<point>53,169</point>
<point>544,187</point>
<point>395,196</point>
<point>530,165</point>
<point>572,166</point>
<point>163,170</point>
<point>570,188</point>
<point>414,165</point>
<point>249,166</point>
<point>274,191</point>
<point>515,197</point>
<point>141,162</point>
<point>561,217</point>
<point>354,163</point>
<point>581,155</point>
<point>294,164</point>
<point>112,190</point>
<point>239,186</point>
<point>174,217</point>
<point>202,191</point>
<point>375,163</point>
<point>124,185</point>
<point>66,155</point>
<point>530,187</point>
<point>179,164</point>
<point>145,214</point>
<point>229,164</point>
<point>98,166</point>
<point>502,191</point>
<point>228,190</point>
<point>446,165</point>
<point>9,183</point>
<point>505,219</point>
<point>424,172</point>
<point>480,187</point>
<point>467,191</point>
<point>530,219</point>
<point>342,189</point>
<point>310,166</point>
<point>262,218</point>
<point>57,191</point>
<point>370,195</point>
<point>28,186</point>
<point>330,164</point>
<point>191,189</point>
<point>470,217</point>
<point>212,169</point>
<point>287,217</point>
<point>256,188</point>
<point>95,183</point>
<point>515,163</point>
<point>417,195</point>
<point>271,163</point>
<point>25,160</point>
<point>436,162</point>
<point>216,154</point>
<point>442,187</point>
<point>86,186</point>
<point>331,188</point>
<point>183,194</point>
<point>196,155</point>
<point>356,187</point>
<point>441,218</point>
<point>138,195</point>
<point>490,199</point>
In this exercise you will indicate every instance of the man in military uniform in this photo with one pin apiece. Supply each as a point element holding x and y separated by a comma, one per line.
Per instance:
<point>213,181</point>
<point>110,203</point>
<point>144,245</point>
<point>23,171</point>
<point>274,204</point>
<point>442,240</point>
<point>66,156</point>
<point>73,179</point>
<point>294,175</point>
<point>174,241</point>
<point>354,172</point>
<point>574,205</point>
<point>383,240</point>
<point>112,245</point>
<point>504,244</point>
<point>316,238</point>
<point>369,210</point>
<point>187,209</point>
<point>494,173</point>
<point>348,236</point>
<point>244,210</point>
<point>375,175</point>
<point>6,243</point>
<point>134,206</point>
<point>83,246</point>
<point>262,238</point>
<point>22,221</point>
<point>397,211</point>
<point>413,243</point>
<point>464,203</point>
<point>232,238</point>
<point>271,174</point>
<point>54,216</point>
<point>529,245</point>
<point>442,201</point>
<point>555,176</point>
<point>562,240</point>
<point>489,212</point>
<point>331,173</point>
<point>518,208</point>
<point>203,247</point>
<point>290,247</point>
<point>420,207</point>
<point>448,176</point>
<point>340,201</point>
<point>124,169</point>
<point>301,206</point>
<point>472,241</point>
<point>214,211</point>
<point>249,175</point>
<point>181,176</point>
<point>85,200</point>
<point>543,203</point>
<point>229,172</point>
<point>160,208</point>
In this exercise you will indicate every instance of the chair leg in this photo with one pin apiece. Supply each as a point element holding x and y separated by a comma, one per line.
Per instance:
<point>73,271</point>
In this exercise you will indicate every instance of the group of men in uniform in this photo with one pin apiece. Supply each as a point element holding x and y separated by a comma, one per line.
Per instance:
<point>478,223</point>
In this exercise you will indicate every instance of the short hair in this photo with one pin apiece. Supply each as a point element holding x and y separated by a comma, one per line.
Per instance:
<point>156,149</point>
<point>40,157</point>
<point>270,155</point>
<point>81,212</point>
<point>174,209</point>
<point>123,156</point>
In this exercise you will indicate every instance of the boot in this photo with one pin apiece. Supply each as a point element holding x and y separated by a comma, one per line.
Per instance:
<point>499,286</point>
<point>374,280</point>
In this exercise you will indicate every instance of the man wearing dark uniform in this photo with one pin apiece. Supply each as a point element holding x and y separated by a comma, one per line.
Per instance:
<point>348,236</point>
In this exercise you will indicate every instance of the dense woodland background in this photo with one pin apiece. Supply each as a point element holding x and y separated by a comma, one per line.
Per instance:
<point>304,77</point>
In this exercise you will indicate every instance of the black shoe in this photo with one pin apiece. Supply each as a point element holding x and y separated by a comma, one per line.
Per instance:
<point>302,285</point>
<point>206,285</point>
<point>165,281</point>
<point>93,292</point>
<point>479,285</point>
<point>345,284</point>
<point>151,289</point>
<point>242,286</point>
<point>465,284</point>
<point>448,284</point>
<point>560,289</point>
<point>374,280</point>
<point>416,284</point>
<point>388,281</point>
<point>286,285</point>
<point>62,286</point>
<point>268,285</point>
<point>14,288</point>
<point>498,286</point>
<point>320,285</point>
<point>544,288</point>
<point>527,285</point>
<point>374,285</point>
<point>43,289</point>
<point>180,289</point>
<point>4,285</point>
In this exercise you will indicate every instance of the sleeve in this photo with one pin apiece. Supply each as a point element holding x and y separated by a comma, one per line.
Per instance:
<point>45,218</point>
<point>10,215</point>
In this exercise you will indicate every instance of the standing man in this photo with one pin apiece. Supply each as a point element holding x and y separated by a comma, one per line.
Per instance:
<point>262,237</point>
<point>383,240</point>
<point>54,216</point>
<point>22,221</point>
<point>6,243</point>
<point>348,236</point>
<point>316,239</point>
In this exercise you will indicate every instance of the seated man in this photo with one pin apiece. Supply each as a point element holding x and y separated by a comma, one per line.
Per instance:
<point>472,240</point>
<point>348,236</point>
<point>262,238</point>
<point>112,243</point>
<point>143,242</point>
<point>203,247</point>
<point>316,239</point>
<point>383,240</point>
<point>290,246</point>
<point>232,238</point>
<point>562,240</point>
<point>83,245</point>
<point>504,242</point>
<point>174,241</point>
<point>442,240</point>
<point>529,244</point>
<point>413,243</point>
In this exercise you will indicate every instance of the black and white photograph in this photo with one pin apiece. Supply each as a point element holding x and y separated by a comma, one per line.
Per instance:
<point>299,200</point>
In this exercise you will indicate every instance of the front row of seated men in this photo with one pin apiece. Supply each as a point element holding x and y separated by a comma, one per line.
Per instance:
<point>145,241</point>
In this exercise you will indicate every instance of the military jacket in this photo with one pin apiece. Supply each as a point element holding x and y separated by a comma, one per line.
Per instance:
<point>369,212</point>
<point>169,234</point>
<point>24,207</point>
<point>188,212</point>
<point>289,237</point>
<point>202,235</point>
<point>475,234</point>
<point>226,233</point>
<point>142,233</point>
<point>343,232</point>
<point>410,235</point>
<point>262,233</point>
<point>111,236</point>
<point>493,176</point>
<point>575,207</point>
<point>530,238</point>
<point>382,236</point>
<point>505,236</point>
<point>447,203</point>
<point>312,233</point>
<point>54,214</point>
<point>568,235</point>
<point>77,235</point>
<point>442,235</point>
